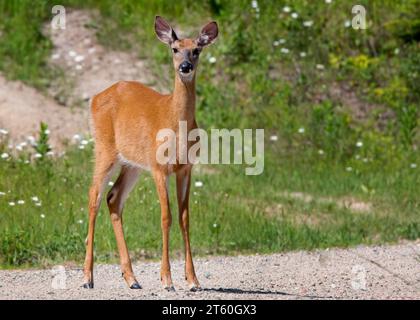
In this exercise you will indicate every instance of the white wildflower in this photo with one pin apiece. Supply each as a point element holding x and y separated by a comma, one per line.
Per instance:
<point>198,184</point>
<point>286,9</point>
<point>294,15</point>
<point>320,67</point>
<point>308,24</point>
<point>254,4</point>
<point>302,54</point>
<point>4,155</point>
<point>273,138</point>
<point>80,221</point>
<point>12,204</point>
<point>110,183</point>
<point>349,169</point>
<point>35,198</point>
<point>72,53</point>
<point>79,58</point>
<point>359,144</point>
<point>347,24</point>
<point>3,131</point>
<point>38,155</point>
<point>77,137</point>
<point>301,130</point>
<point>321,152</point>
<point>212,59</point>
<point>84,142</point>
<point>413,166</point>
<point>55,56</point>
<point>42,216</point>
<point>284,50</point>
<point>79,67</point>
<point>31,140</point>
<point>38,204</point>
<point>2,193</point>
<point>50,153</point>
<point>21,202</point>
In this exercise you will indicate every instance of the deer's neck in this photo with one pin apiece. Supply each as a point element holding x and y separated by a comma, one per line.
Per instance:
<point>183,100</point>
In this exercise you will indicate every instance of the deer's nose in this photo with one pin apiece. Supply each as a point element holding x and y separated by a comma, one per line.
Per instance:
<point>186,67</point>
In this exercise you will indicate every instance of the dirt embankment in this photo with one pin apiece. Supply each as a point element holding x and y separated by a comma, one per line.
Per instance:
<point>88,69</point>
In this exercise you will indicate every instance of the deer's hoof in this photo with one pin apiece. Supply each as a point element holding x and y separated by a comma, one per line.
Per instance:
<point>195,288</point>
<point>88,285</point>
<point>135,285</point>
<point>169,288</point>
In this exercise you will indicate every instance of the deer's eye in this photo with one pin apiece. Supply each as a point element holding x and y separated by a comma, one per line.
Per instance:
<point>196,52</point>
<point>175,50</point>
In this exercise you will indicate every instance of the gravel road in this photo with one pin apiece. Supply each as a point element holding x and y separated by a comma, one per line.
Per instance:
<point>378,272</point>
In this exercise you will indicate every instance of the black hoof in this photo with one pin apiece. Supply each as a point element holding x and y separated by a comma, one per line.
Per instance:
<point>195,288</point>
<point>88,285</point>
<point>170,289</point>
<point>135,285</point>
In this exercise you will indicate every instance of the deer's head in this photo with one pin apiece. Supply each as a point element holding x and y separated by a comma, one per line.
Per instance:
<point>185,52</point>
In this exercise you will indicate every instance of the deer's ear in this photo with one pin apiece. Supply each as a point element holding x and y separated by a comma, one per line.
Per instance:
<point>164,31</point>
<point>208,34</point>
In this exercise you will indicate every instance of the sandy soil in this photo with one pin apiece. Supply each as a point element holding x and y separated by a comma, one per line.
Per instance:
<point>22,108</point>
<point>378,272</point>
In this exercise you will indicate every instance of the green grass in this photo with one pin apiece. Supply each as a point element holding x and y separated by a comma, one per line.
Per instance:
<point>231,213</point>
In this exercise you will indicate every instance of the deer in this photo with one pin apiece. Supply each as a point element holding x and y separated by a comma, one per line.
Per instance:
<point>125,119</point>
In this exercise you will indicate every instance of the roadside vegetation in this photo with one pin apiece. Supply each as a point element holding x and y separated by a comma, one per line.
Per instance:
<point>340,109</point>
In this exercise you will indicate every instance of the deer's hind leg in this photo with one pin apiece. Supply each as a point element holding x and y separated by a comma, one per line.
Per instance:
<point>116,199</point>
<point>104,165</point>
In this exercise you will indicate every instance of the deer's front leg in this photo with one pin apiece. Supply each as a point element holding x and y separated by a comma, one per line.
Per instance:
<point>162,186</point>
<point>183,182</point>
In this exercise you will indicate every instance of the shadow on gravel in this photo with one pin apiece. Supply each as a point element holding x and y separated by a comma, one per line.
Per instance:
<point>267,292</point>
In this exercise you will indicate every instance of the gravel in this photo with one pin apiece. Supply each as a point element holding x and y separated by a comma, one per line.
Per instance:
<point>378,272</point>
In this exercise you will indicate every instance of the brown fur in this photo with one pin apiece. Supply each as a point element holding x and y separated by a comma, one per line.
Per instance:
<point>126,118</point>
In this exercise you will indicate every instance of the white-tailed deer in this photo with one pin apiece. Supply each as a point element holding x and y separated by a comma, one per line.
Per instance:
<point>126,118</point>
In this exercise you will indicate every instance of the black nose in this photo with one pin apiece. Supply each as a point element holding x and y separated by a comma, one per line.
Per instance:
<point>186,67</point>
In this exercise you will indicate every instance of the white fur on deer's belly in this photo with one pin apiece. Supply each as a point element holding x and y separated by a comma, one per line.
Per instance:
<point>124,161</point>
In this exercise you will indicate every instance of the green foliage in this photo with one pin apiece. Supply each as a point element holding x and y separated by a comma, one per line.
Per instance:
<point>328,126</point>
<point>248,221</point>
<point>42,145</point>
